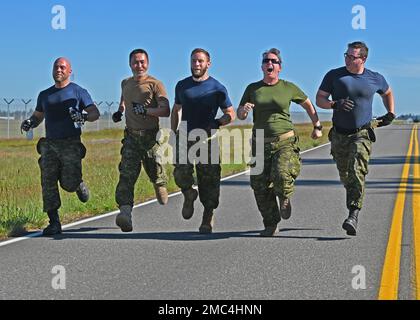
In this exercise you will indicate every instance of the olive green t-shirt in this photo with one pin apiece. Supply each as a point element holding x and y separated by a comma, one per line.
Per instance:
<point>272,105</point>
<point>148,92</point>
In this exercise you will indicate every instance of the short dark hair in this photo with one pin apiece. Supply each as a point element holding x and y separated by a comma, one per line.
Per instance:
<point>273,51</point>
<point>136,51</point>
<point>364,50</point>
<point>198,50</point>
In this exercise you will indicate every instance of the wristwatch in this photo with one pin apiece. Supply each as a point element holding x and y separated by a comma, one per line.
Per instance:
<point>318,127</point>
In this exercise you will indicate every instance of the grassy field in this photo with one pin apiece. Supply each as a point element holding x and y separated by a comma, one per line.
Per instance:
<point>20,189</point>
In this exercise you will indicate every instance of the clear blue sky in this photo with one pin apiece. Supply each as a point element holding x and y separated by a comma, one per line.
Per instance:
<point>312,36</point>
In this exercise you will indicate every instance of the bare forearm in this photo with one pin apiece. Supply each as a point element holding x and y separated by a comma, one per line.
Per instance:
<point>93,113</point>
<point>389,102</point>
<point>228,117</point>
<point>310,110</point>
<point>174,120</point>
<point>159,112</point>
<point>323,102</point>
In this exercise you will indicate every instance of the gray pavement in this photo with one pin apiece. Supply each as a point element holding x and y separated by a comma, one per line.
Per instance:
<point>165,257</point>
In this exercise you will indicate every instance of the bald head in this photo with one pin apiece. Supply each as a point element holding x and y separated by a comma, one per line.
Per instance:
<point>61,72</point>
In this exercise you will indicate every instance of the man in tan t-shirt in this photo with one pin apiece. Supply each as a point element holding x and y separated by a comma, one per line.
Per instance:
<point>144,100</point>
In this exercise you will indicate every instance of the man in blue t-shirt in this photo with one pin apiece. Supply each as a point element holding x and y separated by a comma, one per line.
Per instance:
<point>65,107</point>
<point>352,89</point>
<point>200,97</point>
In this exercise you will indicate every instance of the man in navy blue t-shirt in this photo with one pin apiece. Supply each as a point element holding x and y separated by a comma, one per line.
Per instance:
<point>200,97</point>
<point>65,107</point>
<point>352,89</point>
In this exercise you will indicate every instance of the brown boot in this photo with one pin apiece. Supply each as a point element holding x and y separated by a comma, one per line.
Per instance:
<point>207,223</point>
<point>161,194</point>
<point>190,196</point>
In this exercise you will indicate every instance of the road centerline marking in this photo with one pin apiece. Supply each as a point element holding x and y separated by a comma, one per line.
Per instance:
<point>391,270</point>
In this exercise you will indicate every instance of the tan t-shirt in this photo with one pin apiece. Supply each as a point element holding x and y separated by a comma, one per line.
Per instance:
<point>148,92</point>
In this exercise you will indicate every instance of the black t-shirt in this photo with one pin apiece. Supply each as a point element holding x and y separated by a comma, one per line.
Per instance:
<point>360,88</point>
<point>55,104</point>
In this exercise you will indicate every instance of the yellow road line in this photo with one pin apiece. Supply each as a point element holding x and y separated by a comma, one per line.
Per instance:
<point>416,213</point>
<point>391,271</point>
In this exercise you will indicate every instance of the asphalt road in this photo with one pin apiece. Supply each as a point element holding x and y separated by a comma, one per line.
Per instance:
<point>165,257</point>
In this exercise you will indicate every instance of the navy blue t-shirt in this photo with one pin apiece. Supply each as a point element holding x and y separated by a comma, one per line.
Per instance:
<point>360,88</point>
<point>200,101</point>
<point>55,104</point>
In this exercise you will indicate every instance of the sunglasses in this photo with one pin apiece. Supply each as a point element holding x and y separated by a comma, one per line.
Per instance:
<point>351,57</point>
<point>273,61</point>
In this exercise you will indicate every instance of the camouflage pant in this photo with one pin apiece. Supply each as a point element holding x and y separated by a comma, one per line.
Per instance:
<point>208,178</point>
<point>281,168</point>
<point>60,161</point>
<point>351,154</point>
<point>137,150</point>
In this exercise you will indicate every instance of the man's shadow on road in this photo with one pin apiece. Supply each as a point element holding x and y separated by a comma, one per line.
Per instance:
<point>85,233</point>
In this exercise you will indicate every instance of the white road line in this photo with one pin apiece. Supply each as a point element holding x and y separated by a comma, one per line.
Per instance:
<point>106,215</point>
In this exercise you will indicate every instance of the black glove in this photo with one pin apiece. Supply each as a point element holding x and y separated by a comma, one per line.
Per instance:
<point>139,109</point>
<point>343,105</point>
<point>26,125</point>
<point>77,116</point>
<point>117,116</point>
<point>29,124</point>
<point>386,119</point>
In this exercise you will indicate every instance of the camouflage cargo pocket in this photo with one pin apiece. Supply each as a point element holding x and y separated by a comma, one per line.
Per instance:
<point>40,145</point>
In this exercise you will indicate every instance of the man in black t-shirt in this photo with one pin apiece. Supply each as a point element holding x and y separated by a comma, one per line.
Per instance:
<point>65,107</point>
<point>352,89</point>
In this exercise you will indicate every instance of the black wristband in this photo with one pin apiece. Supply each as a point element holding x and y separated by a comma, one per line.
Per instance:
<point>318,127</point>
<point>34,121</point>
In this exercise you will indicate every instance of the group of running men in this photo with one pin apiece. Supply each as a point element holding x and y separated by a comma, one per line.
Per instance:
<point>199,97</point>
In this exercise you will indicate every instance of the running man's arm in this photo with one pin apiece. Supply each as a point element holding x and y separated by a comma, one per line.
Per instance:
<point>228,116</point>
<point>162,110</point>
<point>310,110</point>
<point>388,100</point>
<point>323,101</point>
<point>93,113</point>
<point>244,110</point>
<point>37,117</point>
<point>121,107</point>
<point>175,117</point>
<point>33,122</point>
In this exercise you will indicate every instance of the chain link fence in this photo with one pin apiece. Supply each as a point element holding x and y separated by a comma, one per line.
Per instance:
<point>13,111</point>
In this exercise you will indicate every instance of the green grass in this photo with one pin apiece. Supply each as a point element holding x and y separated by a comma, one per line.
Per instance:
<point>20,189</point>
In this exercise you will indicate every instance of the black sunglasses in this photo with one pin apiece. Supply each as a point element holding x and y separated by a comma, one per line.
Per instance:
<point>273,61</point>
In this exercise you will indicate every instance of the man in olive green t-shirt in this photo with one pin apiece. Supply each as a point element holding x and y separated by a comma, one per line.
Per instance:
<point>144,100</point>
<point>270,100</point>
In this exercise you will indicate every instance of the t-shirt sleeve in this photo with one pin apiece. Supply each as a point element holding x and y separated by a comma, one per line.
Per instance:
<point>39,104</point>
<point>160,95</point>
<point>327,82</point>
<point>298,96</point>
<point>178,93</point>
<point>246,97</point>
<point>383,85</point>
<point>160,90</point>
<point>85,100</point>
<point>224,101</point>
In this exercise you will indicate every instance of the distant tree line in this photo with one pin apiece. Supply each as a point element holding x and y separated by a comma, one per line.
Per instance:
<point>414,117</point>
